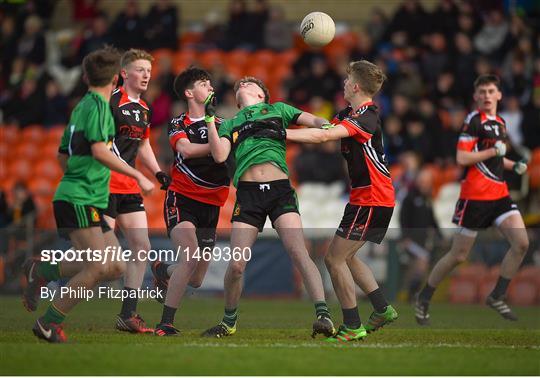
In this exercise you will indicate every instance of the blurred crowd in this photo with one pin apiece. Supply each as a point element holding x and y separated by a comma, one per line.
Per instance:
<point>431,59</point>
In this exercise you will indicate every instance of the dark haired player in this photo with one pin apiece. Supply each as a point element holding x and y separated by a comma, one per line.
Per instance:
<point>126,209</point>
<point>371,202</point>
<point>484,200</point>
<point>199,188</point>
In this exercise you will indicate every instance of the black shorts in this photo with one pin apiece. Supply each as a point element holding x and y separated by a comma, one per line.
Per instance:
<point>474,214</point>
<point>70,217</point>
<point>256,200</point>
<point>179,208</point>
<point>365,223</point>
<point>124,204</point>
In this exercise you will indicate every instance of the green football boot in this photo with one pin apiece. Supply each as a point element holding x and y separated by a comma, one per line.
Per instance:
<point>219,331</point>
<point>345,334</point>
<point>380,319</point>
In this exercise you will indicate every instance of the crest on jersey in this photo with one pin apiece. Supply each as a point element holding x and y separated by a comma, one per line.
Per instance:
<point>236,210</point>
<point>235,136</point>
<point>94,215</point>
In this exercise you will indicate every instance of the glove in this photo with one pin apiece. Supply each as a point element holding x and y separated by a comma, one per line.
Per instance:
<point>520,167</point>
<point>277,134</point>
<point>210,104</point>
<point>500,148</point>
<point>327,126</point>
<point>164,179</point>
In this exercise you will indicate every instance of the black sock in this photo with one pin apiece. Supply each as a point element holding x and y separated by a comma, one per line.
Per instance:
<point>161,270</point>
<point>500,287</point>
<point>377,300</point>
<point>129,304</point>
<point>167,316</point>
<point>351,318</point>
<point>321,309</point>
<point>426,293</point>
<point>230,317</point>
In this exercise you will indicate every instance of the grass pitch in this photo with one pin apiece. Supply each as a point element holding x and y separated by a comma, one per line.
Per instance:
<point>273,338</point>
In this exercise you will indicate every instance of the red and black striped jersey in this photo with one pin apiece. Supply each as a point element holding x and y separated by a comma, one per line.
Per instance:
<point>132,121</point>
<point>484,180</point>
<point>201,179</point>
<point>371,184</point>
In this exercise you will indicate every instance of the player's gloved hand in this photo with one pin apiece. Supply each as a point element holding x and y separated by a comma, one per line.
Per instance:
<point>520,167</point>
<point>327,126</point>
<point>500,148</point>
<point>210,105</point>
<point>277,134</point>
<point>164,179</point>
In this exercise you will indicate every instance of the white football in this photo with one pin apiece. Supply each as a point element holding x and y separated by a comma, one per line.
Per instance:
<point>317,29</point>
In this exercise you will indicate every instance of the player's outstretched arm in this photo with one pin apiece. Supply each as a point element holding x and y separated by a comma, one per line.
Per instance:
<point>190,150</point>
<point>219,147</point>
<point>309,120</point>
<point>467,158</point>
<point>101,153</point>
<point>317,135</point>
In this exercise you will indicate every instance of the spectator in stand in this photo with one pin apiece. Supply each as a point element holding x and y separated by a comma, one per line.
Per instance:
<point>320,163</point>
<point>165,78</point>
<point>85,11</point>
<point>127,30</point>
<point>31,46</point>
<point>445,93</point>
<point>363,49</point>
<point>517,82</point>
<point>376,24</point>
<point>410,18</point>
<point>27,106</point>
<point>491,37</point>
<point>237,34</point>
<point>444,18</point>
<point>161,104</point>
<point>161,26</point>
<point>321,81</point>
<point>213,35</point>
<point>436,59</point>
<point>278,35</point>
<point>419,229</point>
<point>8,48</point>
<point>257,19</point>
<point>56,105</point>
<point>96,37</point>
<point>393,139</point>
<point>530,124</point>
<point>417,139</point>
<point>463,60</point>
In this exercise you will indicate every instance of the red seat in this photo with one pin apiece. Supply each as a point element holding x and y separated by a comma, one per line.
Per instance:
<point>183,59</point>
<point>54,135</point>
<point>211,58</point>
<point>9,133</point>
<point>20,169</point>
<point>265,58</point>
<point>258,72</point>
<point>48,168</point>
<point>463,290</point>
<point>238,58</point>
<point>41,186</point>
<point>33,133</point>
<point>26,150</point>
<point>281,72</point>
<point>287,57</point>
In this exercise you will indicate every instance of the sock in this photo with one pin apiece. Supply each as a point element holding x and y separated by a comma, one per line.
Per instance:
<point>321,309</point>
<point>50,272</point>
<point>414,286</point>
<point>351,318</point>
<point>377,300</point>
<point>167,316</point>
<point>54,315</point>
<point>129,305</point>
<point>230,317</point>
<point>161,270</point>
<point>426,293</point>
<point>500,287</point>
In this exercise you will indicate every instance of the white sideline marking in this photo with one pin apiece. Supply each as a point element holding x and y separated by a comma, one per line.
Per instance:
<point>357,345</point>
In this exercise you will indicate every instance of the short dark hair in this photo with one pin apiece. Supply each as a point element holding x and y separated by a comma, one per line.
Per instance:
<point>487,79</point>
<point>368,75</point>
<point>100,66</point>
<point>187,78</point>
<point>251,79</point>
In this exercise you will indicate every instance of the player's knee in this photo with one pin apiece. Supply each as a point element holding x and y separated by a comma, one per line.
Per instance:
<point>330,261</point>
<point>237,270</point>
<point>117,270</point>
<point>521,246</point>
<point>195,282</point>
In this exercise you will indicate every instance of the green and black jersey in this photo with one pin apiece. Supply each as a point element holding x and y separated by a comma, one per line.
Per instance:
<point>249,150</point>
<point>86,181</point>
